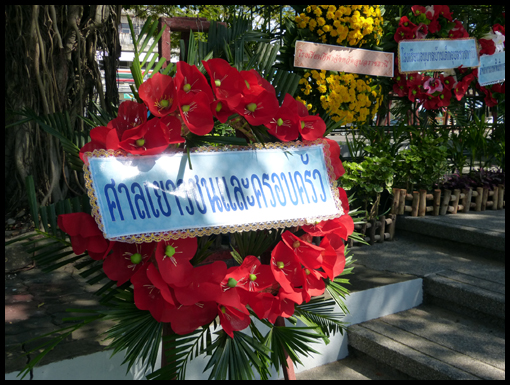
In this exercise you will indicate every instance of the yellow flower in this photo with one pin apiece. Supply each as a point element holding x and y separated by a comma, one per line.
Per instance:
<point>322,89</point>
<point>317,12</point>
<point>321,21</point>
<point>326,28</point>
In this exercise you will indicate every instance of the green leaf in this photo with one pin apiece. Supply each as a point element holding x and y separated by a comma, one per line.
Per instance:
<point>294,341</point>
<point>235,358</point>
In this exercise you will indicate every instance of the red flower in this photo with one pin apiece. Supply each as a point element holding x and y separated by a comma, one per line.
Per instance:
<point>102,138</point>
<point>148,297</point>
<point>415,86</point>
<point>251,275</point>
<point>221,110</point>
<point>185,319</point>
<point>406,29</point>
<point>312,127</point>
<point>418,10</point>
<point>499,28</point>
<point>313,285</point>
<point>286,267</point>
<point>196,113</point>
<point>158,93</point>
<point>334,150</point>
<point>233,319</point>
<point>189,79</point>
<point>173,129</point>
<point>308,254</point>
<point>85,235</point>
<point>488,47</point>
<point>490,101</point>
<point>333,256</point>
<point>457,31</point>
<point>343,226</point>
<point>150,138</point>
<point>173,260</point>
<point>284,124</point>
<point>258,109</point>
<point>283,304</point>
<point>255,84</point>
<point>442,10</point>
<point>126,259</point>
<point>226,81</point>
<point>344,199</point>
<point>203,284</point>
<point>130,115</point>
<point>463,85</point>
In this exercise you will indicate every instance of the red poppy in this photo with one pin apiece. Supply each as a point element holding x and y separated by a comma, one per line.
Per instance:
<point>442,10</point>
<point>286,267</point>
<point>334,151</point>
<point>488,47</point>
<point>195,112</point>
<point>258,109</point>
<point>284,303</point>
<point>150,138</point>
<point>148,297</point>
<point>344,199</point>
<point>157,280</point>
<point>203,284</point>
<point>158,93</point>
<point>418,10</point>
<point>313,284</point>
<point>101,138</point>
<point>126,259</point>
<point>221,110</point>
<point>333,257</point>
<point>226,82</point>
<point>462,86</point>
<point>84,234</point>
<point>405,30</point>
<point>189,79</point>
<point>233,319</point>
<point>284,125</point>
<point>130,115</point>
<point>307,253</point>
<point>343,226</point>
<point>173,128</point>
<point>251,276</point>
<point>458,31</point>
<point>312,127</point>
<point>186,319</point>
<point>255,83</point>
<point>173,260</point>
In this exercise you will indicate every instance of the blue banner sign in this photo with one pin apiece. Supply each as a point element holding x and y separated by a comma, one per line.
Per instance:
<point>151,198</point>
<point>492,69</point>
<point>436,55</point>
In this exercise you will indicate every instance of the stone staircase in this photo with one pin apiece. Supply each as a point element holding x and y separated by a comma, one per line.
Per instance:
<point>458,332</point>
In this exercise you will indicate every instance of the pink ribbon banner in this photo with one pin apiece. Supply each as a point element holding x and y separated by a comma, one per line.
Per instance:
<point>344,59</point>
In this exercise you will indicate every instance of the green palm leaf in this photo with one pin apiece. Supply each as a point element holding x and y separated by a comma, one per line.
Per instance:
<point>234,358</point>
<point>318,314</point>
<point>294,341</point>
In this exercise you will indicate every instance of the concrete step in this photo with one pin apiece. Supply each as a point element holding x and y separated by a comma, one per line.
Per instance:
<point>467,294</point>
<point>358,366</point>
<point>485,231</point>
<point>432,343</point>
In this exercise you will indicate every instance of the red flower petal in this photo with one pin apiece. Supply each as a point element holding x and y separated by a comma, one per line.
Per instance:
<point>285,125</point>
<point>203,284</point>
<point>174,263</point>
<point>150,138</point>
<point>258,109</point>
<point>286,267</point>
<point>189,79</point>
<point>196,113</point>
<point>118,266</point>
<point>308,254</point>
<point>158,93</point>
<point>131,114</point>
<point>226,81</point>
<point>185,319</point>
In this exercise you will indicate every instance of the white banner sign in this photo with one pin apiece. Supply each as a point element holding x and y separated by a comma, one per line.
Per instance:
<point>148,198</point>
<point>492,69</point>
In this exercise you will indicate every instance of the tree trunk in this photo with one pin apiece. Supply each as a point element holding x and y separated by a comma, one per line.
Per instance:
<point>50,67</point>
